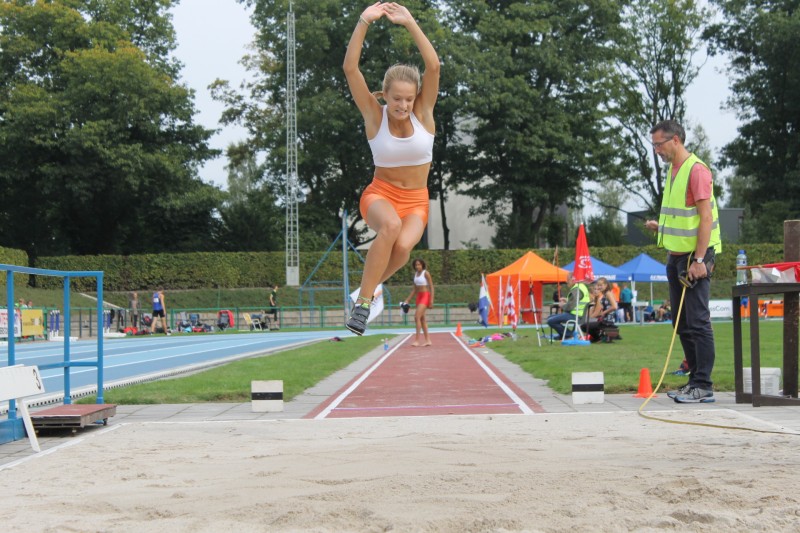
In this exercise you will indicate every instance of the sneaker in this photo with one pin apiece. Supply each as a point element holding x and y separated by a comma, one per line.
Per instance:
<point>680,391</point>
<point>357,323</point>
<point>696,395</point>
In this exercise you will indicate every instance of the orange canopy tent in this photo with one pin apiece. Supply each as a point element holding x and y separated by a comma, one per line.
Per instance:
<point>526,274</point>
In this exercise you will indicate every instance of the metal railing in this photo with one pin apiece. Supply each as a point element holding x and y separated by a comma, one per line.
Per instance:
<point>84,323</point>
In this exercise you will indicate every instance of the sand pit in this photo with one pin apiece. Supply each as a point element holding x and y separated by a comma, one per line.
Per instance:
<point>562,472</point>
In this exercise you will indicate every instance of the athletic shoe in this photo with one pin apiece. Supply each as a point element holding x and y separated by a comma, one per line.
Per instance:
<point>680,391</point>
<point>696,396</point>
<point>357,323</point>
<point>405,307</point>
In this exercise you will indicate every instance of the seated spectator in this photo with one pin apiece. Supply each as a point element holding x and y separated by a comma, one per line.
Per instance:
<point>605,308</point>
<point>570,307</point>
<point>664,312</point>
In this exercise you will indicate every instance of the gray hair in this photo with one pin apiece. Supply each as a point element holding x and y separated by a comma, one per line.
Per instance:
<point>670,128</point>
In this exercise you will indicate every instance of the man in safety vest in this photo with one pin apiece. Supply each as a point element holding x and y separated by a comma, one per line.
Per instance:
<point>571,307</point>
<point>688,227</point>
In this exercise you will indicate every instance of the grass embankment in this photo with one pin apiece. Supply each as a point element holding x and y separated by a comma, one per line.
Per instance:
<point>642,347</point>
<point>300,369</point>
<point>621,363</point>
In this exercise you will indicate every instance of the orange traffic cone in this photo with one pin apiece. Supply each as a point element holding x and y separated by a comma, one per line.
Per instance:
<point>645,386</point>
<point>458,330</point>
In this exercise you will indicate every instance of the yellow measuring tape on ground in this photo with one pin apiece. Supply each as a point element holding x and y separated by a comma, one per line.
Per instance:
<point>661,379</point>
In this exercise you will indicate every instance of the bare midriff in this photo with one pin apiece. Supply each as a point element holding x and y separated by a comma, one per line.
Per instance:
<point>414,177</point>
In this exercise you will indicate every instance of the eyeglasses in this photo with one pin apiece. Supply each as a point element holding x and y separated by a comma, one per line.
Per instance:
<point>659,144</point>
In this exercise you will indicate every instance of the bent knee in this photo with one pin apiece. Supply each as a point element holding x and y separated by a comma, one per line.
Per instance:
<point>404,245</point>
<point>390,228</point>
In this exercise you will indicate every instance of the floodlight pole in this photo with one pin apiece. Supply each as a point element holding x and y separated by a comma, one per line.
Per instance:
<point>292,221</point>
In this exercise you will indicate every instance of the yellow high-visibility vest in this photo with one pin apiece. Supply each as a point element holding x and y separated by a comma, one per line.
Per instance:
<point>678,223</point>
<point>584,299</point>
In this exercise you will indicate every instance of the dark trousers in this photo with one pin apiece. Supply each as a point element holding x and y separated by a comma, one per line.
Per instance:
<point>557,323</point>
<point>694,322</point>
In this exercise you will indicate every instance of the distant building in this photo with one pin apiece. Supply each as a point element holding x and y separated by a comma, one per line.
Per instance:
<point>465,231</point>
<point>730,222</point>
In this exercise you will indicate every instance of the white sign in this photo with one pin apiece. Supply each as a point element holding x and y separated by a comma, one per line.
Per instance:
<point>721,308</point>
<point>17,382</point>
<point>4,323</point>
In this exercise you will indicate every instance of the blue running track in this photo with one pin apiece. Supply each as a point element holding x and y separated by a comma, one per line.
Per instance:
<point>133,358</point>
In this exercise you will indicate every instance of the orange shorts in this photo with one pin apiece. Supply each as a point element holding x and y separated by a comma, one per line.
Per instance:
<point>405,201</point>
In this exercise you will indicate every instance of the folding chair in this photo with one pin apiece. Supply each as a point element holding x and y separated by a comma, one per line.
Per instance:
<point>253,323</point>
<point>577,325</point>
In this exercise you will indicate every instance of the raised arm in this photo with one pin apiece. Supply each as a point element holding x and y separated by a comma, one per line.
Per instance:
<point>423,106</point>
<point>364,99</point>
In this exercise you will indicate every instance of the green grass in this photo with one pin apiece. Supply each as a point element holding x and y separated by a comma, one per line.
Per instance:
<point>48,297</point>
<point>300,369</point>
<point>641,347</point>
<point>620,362</point>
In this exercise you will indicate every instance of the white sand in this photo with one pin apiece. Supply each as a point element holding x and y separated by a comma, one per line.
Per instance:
<point>564,472</point>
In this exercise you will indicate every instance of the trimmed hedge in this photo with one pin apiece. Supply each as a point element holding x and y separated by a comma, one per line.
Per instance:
<point>10,256</point>
<point>260,269</point>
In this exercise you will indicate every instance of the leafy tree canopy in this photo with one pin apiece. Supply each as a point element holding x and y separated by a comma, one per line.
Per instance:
<point>762,40</point>
<point>99,149</point>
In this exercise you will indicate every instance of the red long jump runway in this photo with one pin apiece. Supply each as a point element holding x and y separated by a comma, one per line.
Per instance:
<point>447,378</point>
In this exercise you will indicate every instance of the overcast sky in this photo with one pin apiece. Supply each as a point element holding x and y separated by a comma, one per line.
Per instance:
<point>213,35</point>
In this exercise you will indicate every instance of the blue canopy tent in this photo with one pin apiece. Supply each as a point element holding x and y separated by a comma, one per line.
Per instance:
<point>644,268</point>
<point>602,270</point>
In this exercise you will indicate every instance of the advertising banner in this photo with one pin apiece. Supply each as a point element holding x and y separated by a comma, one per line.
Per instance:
<point>32,323</point>
<point>721,308</point>
<point>4,323</point>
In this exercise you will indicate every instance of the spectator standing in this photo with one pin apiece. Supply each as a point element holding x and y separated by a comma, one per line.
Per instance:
<point>626,302</point>
<point>159,311</point>
<point>133,305</point>
<point>273,303</point>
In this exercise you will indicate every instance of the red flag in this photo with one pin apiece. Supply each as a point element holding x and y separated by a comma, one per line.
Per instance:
<point>583,261</point>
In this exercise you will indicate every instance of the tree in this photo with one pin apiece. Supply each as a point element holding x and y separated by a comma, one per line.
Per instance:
<point>534,107</point>
<point>99,150</point>
<point>251,218</point>
<point>656,52</point>
<point>606,229</point>
<point>762,41</point>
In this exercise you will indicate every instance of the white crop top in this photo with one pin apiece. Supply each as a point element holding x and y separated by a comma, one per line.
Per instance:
<point>419,279</point>
<point>389,151</point>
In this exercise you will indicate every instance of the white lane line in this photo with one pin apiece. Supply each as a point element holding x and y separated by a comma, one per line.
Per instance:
<point>82,370</point>
<point>510,393</point>
<point>71,442</point>
<point>325,412</point>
